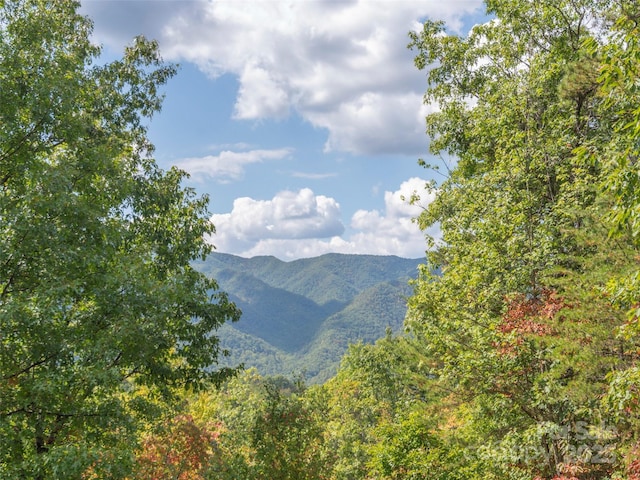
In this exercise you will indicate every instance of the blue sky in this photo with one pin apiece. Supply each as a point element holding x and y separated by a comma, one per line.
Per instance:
<point>302,120</point>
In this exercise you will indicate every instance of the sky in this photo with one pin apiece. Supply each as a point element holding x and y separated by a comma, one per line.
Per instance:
<point>302,120</point>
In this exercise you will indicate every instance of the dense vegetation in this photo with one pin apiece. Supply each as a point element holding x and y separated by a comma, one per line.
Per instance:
<point>520,360</point>
<point>299,317</point>
<point>101,313</point>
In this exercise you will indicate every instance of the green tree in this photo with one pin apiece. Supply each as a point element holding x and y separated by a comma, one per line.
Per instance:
<point>235,408</point>
<point>619,88</point>
<point>287,437</point>
<point>100,311</point>
<point>618,154</point>
<point>268,428</point>
<point>382,413</point>
<point>518,323</point>
<point>357,398</point>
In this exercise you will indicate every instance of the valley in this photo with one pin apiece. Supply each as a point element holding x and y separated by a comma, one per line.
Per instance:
<point>299,317</point>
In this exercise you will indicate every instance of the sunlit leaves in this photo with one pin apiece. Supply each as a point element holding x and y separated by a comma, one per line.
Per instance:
<point>518,322</point>
<point>97,297</point>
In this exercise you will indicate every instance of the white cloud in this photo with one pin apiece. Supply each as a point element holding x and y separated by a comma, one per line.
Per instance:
<point>343,66</point>
<point>313,176</point>
<point>289,215</point>
<point>302,224</point>
<point>228,165</point>
<point>376,123</point>
<point>394,232</point>
<point>286,249</point>
<point>260,95</point>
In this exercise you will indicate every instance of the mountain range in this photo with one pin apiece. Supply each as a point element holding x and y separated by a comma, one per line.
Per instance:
<point>299,317</point>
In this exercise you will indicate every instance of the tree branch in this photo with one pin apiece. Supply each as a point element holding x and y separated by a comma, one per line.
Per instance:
<point>32,366</point>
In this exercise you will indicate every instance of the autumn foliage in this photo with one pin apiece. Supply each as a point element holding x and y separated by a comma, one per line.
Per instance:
<point>527,315</point>
<point>181,450</point>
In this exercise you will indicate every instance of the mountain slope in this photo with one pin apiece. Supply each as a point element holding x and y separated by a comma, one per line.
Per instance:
<point>284,319</point>
<point>300,316</point>
<point>365,319</point>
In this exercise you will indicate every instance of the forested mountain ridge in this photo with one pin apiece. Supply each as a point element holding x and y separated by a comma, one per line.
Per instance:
<point>329,277</point>
<point>300,316</point>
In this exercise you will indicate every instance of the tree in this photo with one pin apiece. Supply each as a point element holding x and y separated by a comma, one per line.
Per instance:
<point>181,450</point>
<point>619,153</point>
<point>518,323</point>
<point>382,413</point>
<point>100,311</point>
<point>287,437</point>
<point>268,428</point>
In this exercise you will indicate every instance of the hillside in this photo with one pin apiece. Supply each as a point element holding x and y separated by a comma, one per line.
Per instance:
<point>300,316</point>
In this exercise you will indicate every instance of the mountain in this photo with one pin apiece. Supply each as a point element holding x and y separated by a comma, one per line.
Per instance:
<point>300,316</point>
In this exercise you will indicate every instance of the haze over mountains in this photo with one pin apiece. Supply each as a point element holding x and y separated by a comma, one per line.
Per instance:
<point>299,317</point>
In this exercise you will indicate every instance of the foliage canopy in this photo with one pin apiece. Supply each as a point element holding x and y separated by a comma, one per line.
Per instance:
<point>520,324</point>
<point>100,311</point>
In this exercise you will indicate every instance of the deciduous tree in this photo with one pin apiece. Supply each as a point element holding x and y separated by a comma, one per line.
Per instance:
<point>97,296</point>
<point>518,323</point>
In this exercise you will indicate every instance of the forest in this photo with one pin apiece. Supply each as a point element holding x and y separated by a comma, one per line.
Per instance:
<point>519,354</point>
<point>299,317</point>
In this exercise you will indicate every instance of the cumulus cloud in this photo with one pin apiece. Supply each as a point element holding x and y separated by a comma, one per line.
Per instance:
<point>375,123</point>
<point>342,66</point>
<point>228,165</point>
<point>301,224</point>
<point>287,216</point>
<point>260,95</point>
<point>394,232</point>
